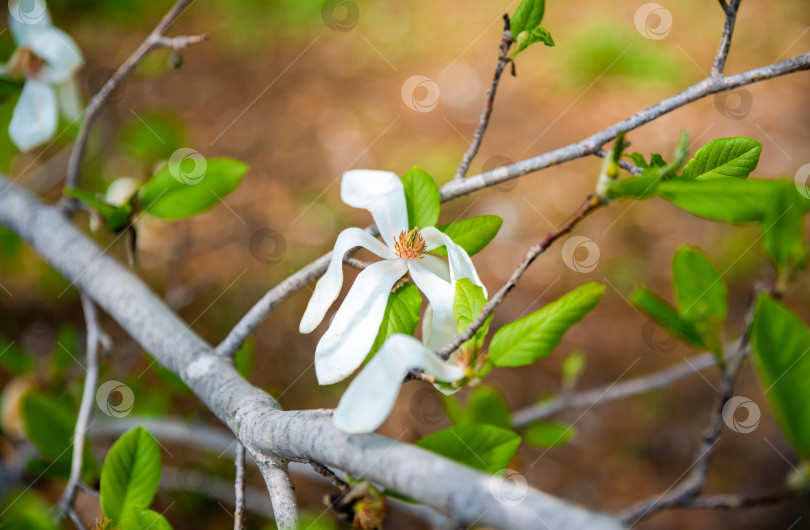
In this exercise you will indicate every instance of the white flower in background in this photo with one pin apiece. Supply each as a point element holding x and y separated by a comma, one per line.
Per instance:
<point>371,396</point>
<point>48,59</point>
<point>354,327</point>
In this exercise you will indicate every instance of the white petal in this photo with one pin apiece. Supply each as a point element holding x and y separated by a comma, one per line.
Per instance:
<point>31,17</point>
<point>371,396</point>
<point>461,265</point>
<point>381,193</point>
<point>443,327</point>
<point>60,52</point>
<point>35,117</point>
<point>437,266</point>
<point>70,102</point>
<point>356,324</point>
<point>328,287</point>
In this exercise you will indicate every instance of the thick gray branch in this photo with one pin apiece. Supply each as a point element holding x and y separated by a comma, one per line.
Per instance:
<point>255,417</point>
<point>282,492</point>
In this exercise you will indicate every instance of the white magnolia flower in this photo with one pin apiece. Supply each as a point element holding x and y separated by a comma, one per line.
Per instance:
<point>48,59</point>
<point>371,396</point>
<point>354,327</point>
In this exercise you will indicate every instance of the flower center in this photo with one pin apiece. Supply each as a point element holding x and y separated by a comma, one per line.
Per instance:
<point>24,63</point>
<point>409,244</point>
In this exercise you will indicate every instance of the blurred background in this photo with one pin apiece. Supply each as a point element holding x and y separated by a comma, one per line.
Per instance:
<point>303,91</point>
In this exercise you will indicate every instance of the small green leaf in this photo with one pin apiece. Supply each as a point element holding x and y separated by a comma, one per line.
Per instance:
<point>137,518</point>
<point>14,359</point>
<point>486,406</point>
<point>131,473</point>
<point>483,447</point>
<point>468,303</point>
<point>176,192</point>
<point>660,311</point>
<point>527,16</point>
<point>116,217</point>
<point>571,367</point>
<point>700,291</point>
<point>638,160</point>
<point>401,314</point>
<point>49,423</point>
<point>528,37</point>
<point>549,435</point>
<point>728,201</point>
<point>781,343</point>
<point>421,198</point>
<point>471,234</point>
<point>783,226</point>
<point>724,158</point>
<point>535,336</point>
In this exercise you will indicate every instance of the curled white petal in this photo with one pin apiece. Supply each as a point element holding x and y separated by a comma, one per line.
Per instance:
<point>70,103</point>
<point>436,265</point>
<point>443,327</point>
<point>21,30</point>
<point>328,287</point>
<point>61,54</point>
<point>35,116</point>
<point>371,396</point>
<point>461,265</point>
<point>382,194</point>
<point>355,325</point>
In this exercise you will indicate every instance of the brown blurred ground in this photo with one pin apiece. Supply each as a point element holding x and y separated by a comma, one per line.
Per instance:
<point>302,104</point>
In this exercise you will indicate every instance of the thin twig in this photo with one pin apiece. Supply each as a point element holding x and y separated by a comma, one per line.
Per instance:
<point>483,122</point>
<point>329,475</point>
<point>725,41</point>
<point>281,489</point>
<point>239,488</point>
<point>736,502</point>
<point>458,188</point>
<point>88,395</point>
<point>154,40</point>
<point>588,206</point>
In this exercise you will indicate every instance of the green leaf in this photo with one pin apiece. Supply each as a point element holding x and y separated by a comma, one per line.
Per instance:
<point>468,303</point>
<point>527,16</point>
<point>483,447</point>
<point>486,406</point>
<point>421,198</point>
<point>167,196</point>
<point>535,336</point>
<point>640,187</point>
<point>472,234</point>
<point>529,37</point>
<point>14,359</point>
<point>27,510</point>
<point>549,435</point>
<point>728,201</point>
<point>700,291</point>
<point>401,314</point>
<point>49,424</point>
<point>131,473</point>
<point>660,311</point>
<point>571,367</point>
<point>781,343</point>
<point>724,158</point>
<point>243,359</point>
<point>783,226</point>
<point>116,217</point>
<point>638,160</point>
<point>137,518</point>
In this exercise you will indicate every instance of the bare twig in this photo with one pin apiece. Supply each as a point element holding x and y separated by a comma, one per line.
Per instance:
<point>621,390</point>
<point>458,188</point>
<point>588,206</point>
<point>725,41</point>
<point>483,122</point>
<point>88,395</point>
<point>156,39</point>
<point>239,488</point>
<point>329,475</point>
<point>282,491</point>
<point>736,502</point>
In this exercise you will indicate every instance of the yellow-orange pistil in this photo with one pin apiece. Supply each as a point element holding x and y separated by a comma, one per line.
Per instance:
<point>409,244</point>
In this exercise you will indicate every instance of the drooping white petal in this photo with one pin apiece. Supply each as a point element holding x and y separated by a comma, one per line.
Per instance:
<point>70,102</point>
<point>31,17</point>
<point>437,266</point>
<point>353,330</point>
<point>461,265</point>
<point>61,54</point>
<point>371,396</point>
<point>382,194</point>
<point>35,117</point>
<point>328,287</point>
<point>443,327</point>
